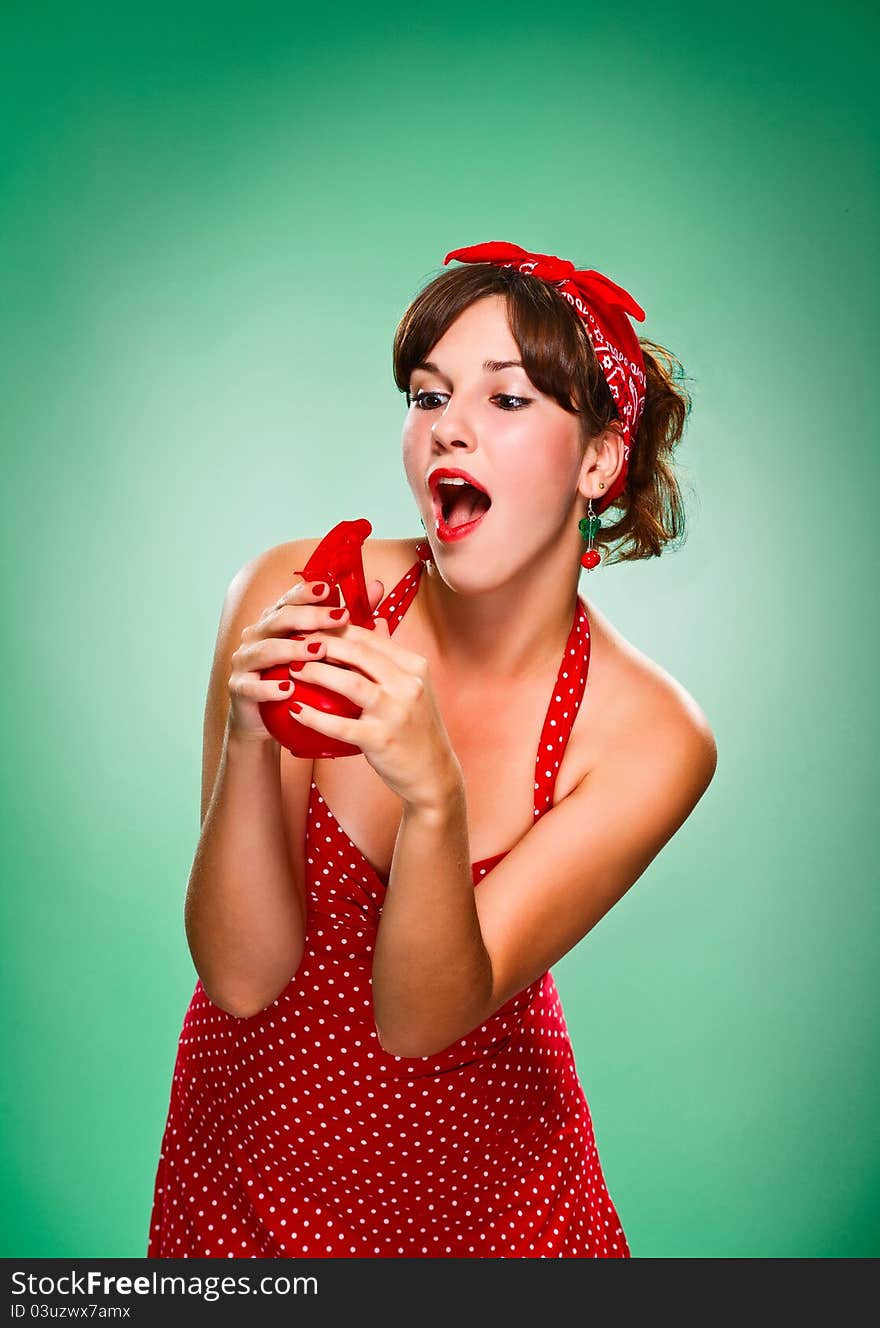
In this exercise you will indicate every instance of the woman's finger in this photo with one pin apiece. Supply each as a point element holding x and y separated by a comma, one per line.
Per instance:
<point>347,682</point>
<point>335,726</point>
<point>372,654</point>
<point>284,619</point>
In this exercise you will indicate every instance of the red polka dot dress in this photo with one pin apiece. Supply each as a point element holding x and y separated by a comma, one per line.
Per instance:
<point>294,1133</point>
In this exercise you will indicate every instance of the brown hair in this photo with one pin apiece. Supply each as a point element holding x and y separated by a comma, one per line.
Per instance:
<point>559,359</point>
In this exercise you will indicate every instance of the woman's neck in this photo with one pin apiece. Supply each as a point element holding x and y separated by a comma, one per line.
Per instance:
<point>509,633</point>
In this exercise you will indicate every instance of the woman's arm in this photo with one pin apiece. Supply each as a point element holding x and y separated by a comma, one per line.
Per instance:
<point>448,956</point>
<point>245,911</point>
<point>431,970</point>
<point>245,901</point>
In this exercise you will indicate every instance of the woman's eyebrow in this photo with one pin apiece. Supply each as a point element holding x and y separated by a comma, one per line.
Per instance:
<point>491,366</point>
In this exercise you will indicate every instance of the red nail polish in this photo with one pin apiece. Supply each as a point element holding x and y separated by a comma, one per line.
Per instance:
<point>319,588</point>
<point>284,686</point>
<point>297,665</point>
<point>295,705</point>
<point>336,613</point>
<point>313,648</point>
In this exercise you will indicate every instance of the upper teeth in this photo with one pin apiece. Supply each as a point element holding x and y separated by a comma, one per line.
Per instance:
<point>452,479</point>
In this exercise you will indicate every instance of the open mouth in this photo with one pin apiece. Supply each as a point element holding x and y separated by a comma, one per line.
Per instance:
<point>460,504</point>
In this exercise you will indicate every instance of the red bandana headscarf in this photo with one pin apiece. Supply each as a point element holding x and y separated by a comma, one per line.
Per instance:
<point>604,307</point>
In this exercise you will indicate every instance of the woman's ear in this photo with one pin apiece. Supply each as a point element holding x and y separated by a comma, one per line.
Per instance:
<point>603,460</point>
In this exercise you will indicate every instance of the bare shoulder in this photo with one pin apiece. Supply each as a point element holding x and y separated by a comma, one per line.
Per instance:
<point>640,706</point>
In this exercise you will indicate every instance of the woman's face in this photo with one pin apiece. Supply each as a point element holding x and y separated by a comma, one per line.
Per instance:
<point>493,423</point>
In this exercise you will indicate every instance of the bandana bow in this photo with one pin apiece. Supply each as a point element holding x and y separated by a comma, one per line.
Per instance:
<point>603,306</point>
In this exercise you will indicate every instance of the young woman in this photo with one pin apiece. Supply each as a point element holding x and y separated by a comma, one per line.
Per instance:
<point>375,1062</point>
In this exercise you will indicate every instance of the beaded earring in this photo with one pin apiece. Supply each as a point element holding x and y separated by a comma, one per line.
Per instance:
<point>589,526</point>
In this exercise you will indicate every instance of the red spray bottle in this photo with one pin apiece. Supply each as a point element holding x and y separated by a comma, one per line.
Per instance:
<point>338,561</point>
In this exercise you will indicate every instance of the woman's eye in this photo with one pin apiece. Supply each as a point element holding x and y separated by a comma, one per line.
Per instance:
<point>419,399</point>
<point>521,401</point>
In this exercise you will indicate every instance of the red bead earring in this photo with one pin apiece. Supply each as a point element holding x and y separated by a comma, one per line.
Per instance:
<point>589,526</point>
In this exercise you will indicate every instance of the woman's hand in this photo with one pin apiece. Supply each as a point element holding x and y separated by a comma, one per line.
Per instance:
<point>400,729</point>
<point>285,631</point>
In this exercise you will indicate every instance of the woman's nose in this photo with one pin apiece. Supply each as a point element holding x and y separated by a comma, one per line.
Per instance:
<point>452,429</point>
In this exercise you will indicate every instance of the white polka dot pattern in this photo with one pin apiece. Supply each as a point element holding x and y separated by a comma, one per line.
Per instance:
<point>294,1132</point>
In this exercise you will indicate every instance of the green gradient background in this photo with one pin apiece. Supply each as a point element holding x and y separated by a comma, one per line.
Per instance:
<point>211,222</point>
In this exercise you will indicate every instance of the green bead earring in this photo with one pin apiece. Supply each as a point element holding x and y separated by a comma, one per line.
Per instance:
<point>589,526</point>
